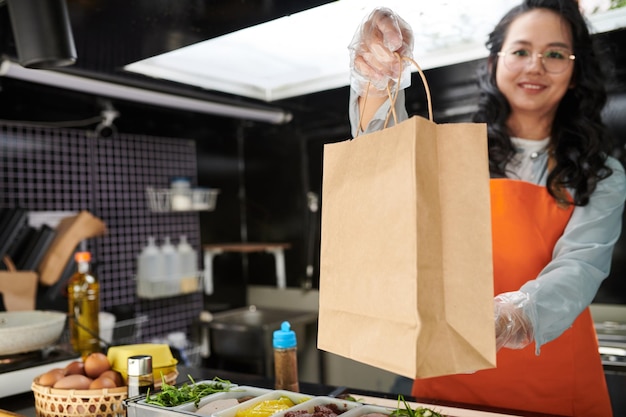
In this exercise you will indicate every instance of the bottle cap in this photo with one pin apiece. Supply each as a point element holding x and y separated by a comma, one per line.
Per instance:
<point>180,182</point>
<point>82,256</point>
<point>285,337</point>
<point>139,365</point>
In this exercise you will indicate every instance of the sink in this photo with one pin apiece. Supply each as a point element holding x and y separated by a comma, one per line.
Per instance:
<point>249,318</point>
<point>246,333</point>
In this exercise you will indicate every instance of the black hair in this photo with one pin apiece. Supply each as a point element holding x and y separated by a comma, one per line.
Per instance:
<point>580,142</point>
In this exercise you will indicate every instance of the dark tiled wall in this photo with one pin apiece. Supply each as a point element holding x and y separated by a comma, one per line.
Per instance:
<point>50,169</point>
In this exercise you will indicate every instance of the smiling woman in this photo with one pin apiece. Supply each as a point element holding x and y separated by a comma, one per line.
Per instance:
<point>532,88</point>
<point>557,199</point>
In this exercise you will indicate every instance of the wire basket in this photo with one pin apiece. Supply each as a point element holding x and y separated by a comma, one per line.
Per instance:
<point>55,402</point>
<point>163,200</point>
<point>193,354</point>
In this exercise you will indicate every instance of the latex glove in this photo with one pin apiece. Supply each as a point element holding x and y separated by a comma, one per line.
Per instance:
<point>372,59</point>
<point>513,312</point>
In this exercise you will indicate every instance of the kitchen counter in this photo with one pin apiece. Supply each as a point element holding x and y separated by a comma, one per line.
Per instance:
<point>24,404</point>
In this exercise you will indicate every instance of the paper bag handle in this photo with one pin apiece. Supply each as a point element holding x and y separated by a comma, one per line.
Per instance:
<point>9,263</point>
<point>393,95</point>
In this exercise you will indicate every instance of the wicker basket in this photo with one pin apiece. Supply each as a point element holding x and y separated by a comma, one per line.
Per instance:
<point>106,402</point>
<point>55,402</point>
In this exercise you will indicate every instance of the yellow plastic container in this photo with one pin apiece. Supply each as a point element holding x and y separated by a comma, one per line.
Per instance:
<point>163,362</point>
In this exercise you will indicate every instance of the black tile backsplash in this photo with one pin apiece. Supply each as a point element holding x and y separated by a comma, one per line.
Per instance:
<point>51,169</point>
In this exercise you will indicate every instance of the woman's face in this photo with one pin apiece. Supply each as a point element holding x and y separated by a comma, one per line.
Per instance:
<point>528,87</point>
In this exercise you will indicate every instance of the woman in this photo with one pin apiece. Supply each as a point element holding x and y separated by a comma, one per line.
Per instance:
<point>557,200</point>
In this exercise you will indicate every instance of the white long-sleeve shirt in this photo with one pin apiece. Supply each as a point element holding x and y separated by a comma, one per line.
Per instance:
<point>581,258</point>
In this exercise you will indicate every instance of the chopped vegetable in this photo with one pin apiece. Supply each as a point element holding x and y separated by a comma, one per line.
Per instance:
<point>407,411</point>
<point>171,396</point>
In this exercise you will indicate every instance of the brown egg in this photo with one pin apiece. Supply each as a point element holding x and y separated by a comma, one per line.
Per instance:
<point>74,381</point>
<point>51,377</point>
<point>75,368</point>
<point>95,364</point>
<point>102,382</point>
<point>115,376</point>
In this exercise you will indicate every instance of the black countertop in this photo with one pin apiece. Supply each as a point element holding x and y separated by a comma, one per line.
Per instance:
<point>23,404</point>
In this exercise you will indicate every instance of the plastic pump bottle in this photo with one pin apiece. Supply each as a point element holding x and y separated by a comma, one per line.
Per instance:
<point>148,267</point>
<point>170,266</point>
<point>285,358</point>
<point>188,259</point>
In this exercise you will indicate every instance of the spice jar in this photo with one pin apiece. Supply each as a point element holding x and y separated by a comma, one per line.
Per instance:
<point>140,379</point>
<point>285,358</point>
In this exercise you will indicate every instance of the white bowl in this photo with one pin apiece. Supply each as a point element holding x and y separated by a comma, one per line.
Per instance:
<point>27,331</point>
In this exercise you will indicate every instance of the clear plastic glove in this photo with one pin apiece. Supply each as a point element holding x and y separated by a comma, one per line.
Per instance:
<point>513,312</point>
<point>372,53</point>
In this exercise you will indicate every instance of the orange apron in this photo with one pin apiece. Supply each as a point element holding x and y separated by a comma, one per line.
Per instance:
<point>567,377</point>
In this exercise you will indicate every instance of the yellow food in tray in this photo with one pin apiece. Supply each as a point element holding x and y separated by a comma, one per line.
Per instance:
<point>266,408</point>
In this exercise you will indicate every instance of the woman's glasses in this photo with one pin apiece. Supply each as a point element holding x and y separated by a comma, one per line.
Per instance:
<point>554,60</point>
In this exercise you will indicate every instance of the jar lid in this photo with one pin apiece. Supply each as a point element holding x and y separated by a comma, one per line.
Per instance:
<point>139,365</point>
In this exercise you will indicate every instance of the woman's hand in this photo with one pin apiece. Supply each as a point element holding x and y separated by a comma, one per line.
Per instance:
<point>372,52</point>
<point>514,328</point>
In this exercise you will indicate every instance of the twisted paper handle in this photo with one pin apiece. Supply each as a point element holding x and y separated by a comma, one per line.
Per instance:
<point>393,95</point>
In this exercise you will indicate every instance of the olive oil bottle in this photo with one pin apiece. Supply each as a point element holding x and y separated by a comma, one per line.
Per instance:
<point>83,293</point>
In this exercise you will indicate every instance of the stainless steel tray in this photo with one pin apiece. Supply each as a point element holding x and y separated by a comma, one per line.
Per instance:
<point>137,406</point>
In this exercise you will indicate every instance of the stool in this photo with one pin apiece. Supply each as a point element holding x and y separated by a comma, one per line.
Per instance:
<point>276,249</point>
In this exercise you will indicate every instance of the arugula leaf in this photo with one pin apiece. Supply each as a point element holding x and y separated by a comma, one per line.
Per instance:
<point>407,411</point>
<point>171,396</point>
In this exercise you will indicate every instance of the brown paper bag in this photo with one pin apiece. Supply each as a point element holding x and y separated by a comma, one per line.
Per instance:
<point>406,276</point>
<point>69,233</point>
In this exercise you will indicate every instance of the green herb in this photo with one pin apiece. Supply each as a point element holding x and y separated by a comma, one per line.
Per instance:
<point>349,397</point>
<point>407,411</point>
<point>171,396</point>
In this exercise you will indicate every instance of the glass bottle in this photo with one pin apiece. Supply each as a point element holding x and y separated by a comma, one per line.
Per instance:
<point>83,293</point>
<point>140,378</point>
<point>285,359</point>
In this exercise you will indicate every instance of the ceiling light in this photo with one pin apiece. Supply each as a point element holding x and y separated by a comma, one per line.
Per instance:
<point>307,52</point>
<point>42,33</point>
<point>155,98</point>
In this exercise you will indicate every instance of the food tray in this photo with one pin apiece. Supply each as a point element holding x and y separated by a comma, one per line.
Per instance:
<point>368,409</point>
<point>295,397</point>
<point>236,393</point>
<point>343,406</point>
<point>137,406</point>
